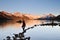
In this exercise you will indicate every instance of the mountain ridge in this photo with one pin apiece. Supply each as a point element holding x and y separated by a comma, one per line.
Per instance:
<point>4,16</point>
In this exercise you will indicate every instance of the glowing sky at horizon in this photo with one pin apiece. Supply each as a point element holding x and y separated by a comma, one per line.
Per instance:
<point>31,6</point>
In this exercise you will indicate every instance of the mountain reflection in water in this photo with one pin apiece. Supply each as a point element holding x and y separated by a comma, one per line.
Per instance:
<point>18,25</point>
<point>9,28</point>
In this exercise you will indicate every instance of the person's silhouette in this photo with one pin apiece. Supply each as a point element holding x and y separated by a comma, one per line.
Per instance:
<point>23,25</point>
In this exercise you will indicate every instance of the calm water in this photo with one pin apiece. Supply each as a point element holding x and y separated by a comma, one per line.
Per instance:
<point>37,33</point>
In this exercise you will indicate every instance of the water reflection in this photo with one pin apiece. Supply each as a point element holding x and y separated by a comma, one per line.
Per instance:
<point>10,27</point>
<point>21,35</point>
<point>52,23</point>
<point>17,24</point>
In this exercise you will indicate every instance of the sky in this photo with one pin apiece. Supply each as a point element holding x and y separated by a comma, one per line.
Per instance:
<point>31,6</point>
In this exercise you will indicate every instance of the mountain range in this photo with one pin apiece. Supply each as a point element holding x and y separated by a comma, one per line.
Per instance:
<point>47,17</point>
<point>50,17</point>
<point>6,16</point>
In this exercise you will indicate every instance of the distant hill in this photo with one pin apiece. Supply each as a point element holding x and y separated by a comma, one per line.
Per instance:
<point>50,17</point>
<point>4,16</point>
<point>47,17</point>
<point>58,17</point>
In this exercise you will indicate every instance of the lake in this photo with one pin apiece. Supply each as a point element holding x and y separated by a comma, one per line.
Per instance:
<point>36,33</point>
